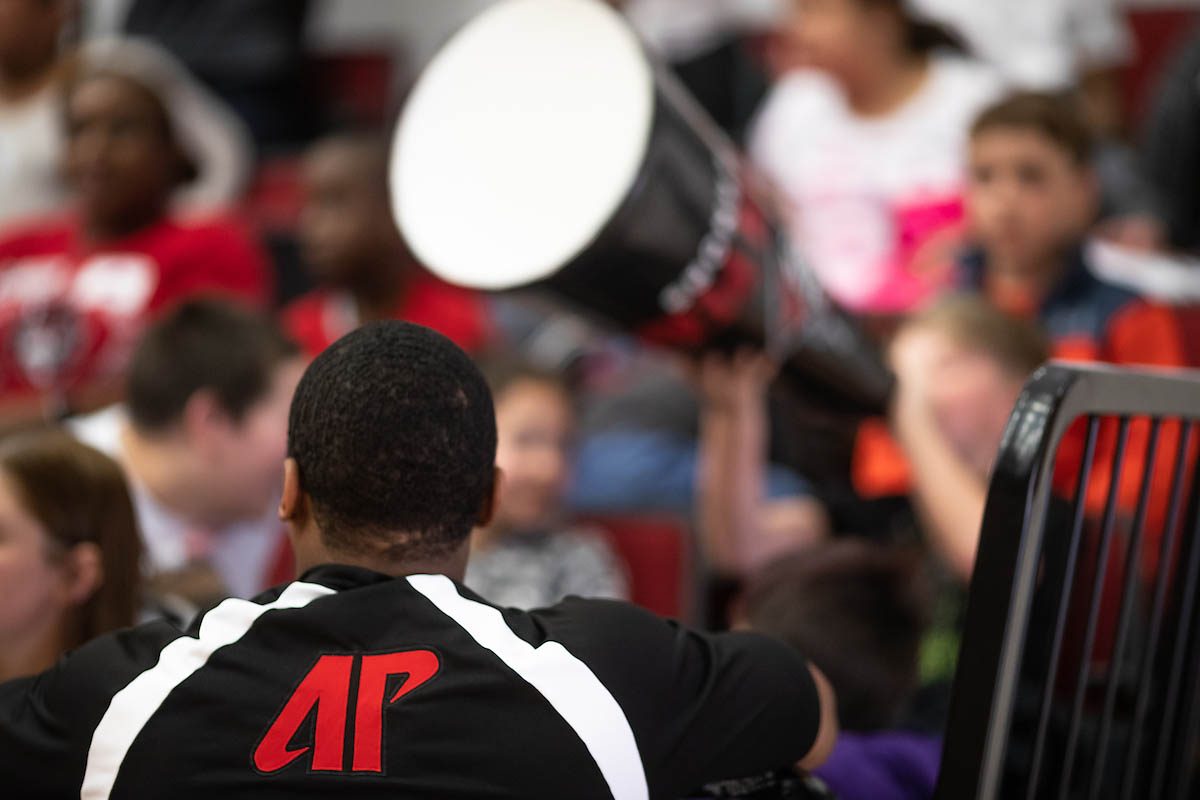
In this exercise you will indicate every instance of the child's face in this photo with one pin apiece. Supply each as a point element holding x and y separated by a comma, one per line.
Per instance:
<point>972,397</point>
<point>1027,199</point>
<point>534,425</point>
<point>829,35</point>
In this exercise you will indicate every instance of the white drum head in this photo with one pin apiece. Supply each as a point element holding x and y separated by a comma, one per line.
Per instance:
<point>520,140</point>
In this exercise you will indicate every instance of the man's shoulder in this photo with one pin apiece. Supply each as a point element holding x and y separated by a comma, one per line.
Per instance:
<point>73,695</point>
<point>601,615</point>
<point>591,629</point>
<point>117,655</point>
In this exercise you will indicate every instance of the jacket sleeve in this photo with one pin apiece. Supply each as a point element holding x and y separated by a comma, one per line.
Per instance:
<point>702,707</point>
<point>46,721</point>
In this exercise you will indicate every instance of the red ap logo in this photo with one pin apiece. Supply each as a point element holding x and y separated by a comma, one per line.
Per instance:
<point>326,688</point>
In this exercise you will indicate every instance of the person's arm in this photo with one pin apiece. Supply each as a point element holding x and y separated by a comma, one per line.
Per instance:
<point>948,493</point>
<point>35,760</point>
<point>714,512</point>
<point>827,733</point>
<point>740,528</point>
<point>733,431</point>
<point>47,722</point>
<point>702,707</point>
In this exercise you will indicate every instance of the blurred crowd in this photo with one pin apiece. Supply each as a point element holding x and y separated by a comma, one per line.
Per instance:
<point>193,204</point>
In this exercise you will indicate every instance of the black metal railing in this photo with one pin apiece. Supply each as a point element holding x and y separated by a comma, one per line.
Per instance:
<point>1079,674</point>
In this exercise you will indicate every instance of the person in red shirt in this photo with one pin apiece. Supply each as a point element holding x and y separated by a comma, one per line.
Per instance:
<point>75,291</point>
<point>354,251</point>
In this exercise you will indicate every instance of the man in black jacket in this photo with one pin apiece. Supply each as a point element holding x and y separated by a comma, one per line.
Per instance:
<point>377,674</point>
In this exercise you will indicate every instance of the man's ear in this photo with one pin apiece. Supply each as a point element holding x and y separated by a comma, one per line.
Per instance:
<point>488,511</point>
<point>293,504</point>
<point>201,414</point>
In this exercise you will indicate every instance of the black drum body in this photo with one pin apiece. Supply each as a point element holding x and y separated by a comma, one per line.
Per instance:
<point>691,257</point>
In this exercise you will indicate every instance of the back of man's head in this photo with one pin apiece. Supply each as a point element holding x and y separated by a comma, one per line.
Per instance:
<point>394,437</point>
<point>203,345</point>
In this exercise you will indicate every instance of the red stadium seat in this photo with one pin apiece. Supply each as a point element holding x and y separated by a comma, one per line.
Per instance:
<point>656,552</point>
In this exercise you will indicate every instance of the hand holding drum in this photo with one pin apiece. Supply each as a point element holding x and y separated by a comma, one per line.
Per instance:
<point>543,147</point>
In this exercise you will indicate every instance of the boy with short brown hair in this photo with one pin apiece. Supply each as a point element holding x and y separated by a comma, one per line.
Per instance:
<point>1032,199</point>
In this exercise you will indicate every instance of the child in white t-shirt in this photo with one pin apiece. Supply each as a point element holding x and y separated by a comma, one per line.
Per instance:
<point>865,141</point>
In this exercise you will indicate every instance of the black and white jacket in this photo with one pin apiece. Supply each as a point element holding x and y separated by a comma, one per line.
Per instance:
<point>352,684</point>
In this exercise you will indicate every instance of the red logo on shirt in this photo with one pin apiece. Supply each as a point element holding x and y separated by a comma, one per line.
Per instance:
<point>326,688</point>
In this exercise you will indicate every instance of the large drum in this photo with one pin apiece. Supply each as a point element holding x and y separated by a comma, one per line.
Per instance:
<point>542,146</point>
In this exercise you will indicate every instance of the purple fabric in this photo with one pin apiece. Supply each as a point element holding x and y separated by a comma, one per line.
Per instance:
<point>883,766</point>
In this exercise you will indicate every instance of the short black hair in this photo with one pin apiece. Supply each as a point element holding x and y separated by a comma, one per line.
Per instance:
<point>207,343</point>
<point>393,431</point>
<point>858,610</point>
